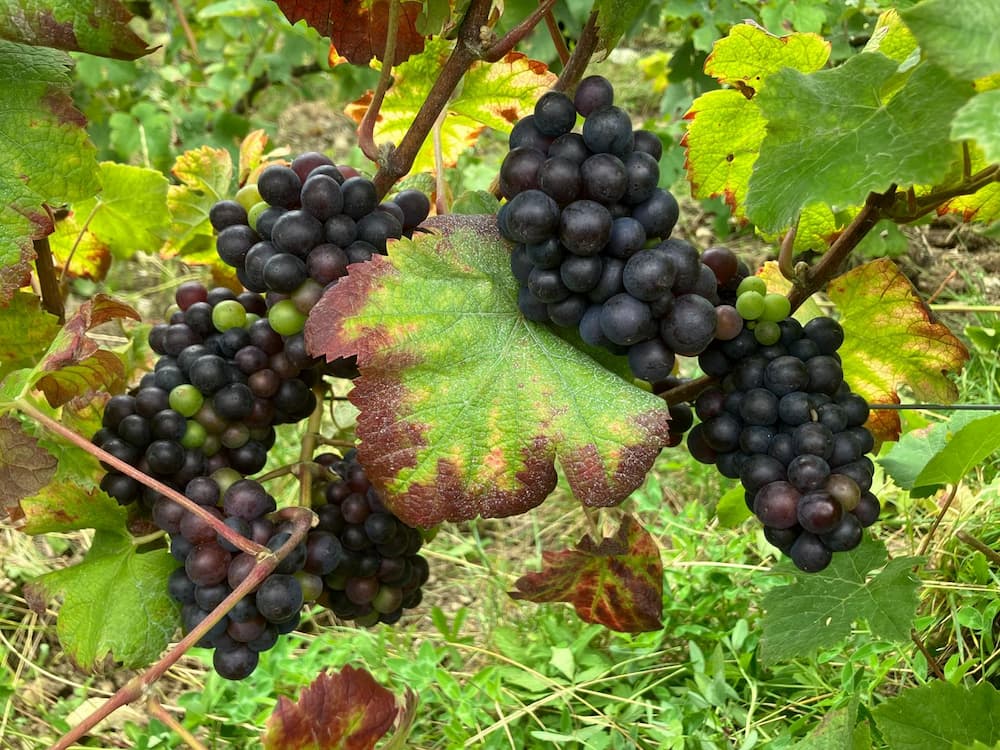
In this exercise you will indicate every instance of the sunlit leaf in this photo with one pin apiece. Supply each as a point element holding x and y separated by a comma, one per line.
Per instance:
<point>99,27</point>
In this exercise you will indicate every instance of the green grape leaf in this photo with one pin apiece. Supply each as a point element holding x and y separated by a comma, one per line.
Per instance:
<point>891,339</point>
<point>938,714</point>
<point>476,402</point>
<point>924,460</point>
<point>834,732</point>
<point>129,214</point>
<point>614,18</point>
<point>492,95</point>
<point>892,37</point>
<point>732,508</point>
<point>984,204</point>
<point>749,54</point>
<point>26,330</point>
<point>45,154</point>
<point>25,466</point>
<point>205,176</point>
<point>63,506</point>
<point>475,202</point>
<point>357,28</point>
<point>74,364</point>
<point>114,603</point>
<point>726,127</point>
<point>98,27</point>
<point>865,130</point>
<point>617,583</point>
<point>962,40</point>
<point>348,710</point>
<point>817,610</point>
<point>977,121</point>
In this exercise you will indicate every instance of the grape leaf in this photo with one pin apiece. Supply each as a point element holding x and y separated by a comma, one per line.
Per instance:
<point>938,714</point>
<point>891,339</point>
<point>492,95</point>
<point>63,506</point>
<point>25,466</point>
<point>865,129</point>
<point>617,583</point>
<point>476,402</point>
<point>614,18</point>
<point>99,27</point>
<point>817,610</point>
<point>834,732</point>
<point>984,204</point>
<point>891,37</point>
<point>726,128</point>
<point>732,509</point>
<point>205,177</point>
<point>977,121</point>
<point>924,460</point>
<point>963,41</point>
<point>25,332</point>
<point>129,214</point>
<point>357,28</point>
<point>251,156</point>
<point>45,154</point>
<point>348,710</point>
<point>74,364</point>
<point>114,604</point>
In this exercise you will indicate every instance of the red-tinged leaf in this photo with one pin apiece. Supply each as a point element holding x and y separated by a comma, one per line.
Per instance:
<point>891,340</point>
<point>99,27</point>
<point>465,405</point>
<point>74,364</point>
<point>344,711</point>
<point>357,28</point>
<point>617,583</point>
<point>25,467</point>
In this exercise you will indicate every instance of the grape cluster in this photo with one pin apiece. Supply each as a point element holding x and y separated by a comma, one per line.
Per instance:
<point>582,209</point>
<point>223,379</point>
<point>298,227</point>
<point>784,422</point>
<point>366,555</point>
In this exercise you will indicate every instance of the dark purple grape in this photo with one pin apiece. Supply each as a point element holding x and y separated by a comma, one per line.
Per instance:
<point>532,216</point>
<point>304,164</point>
<point>651,360</point>
<point>649,143</point>
<point>593,93</point>
<point>608,130</point>
<point>642,173</point>
<point>690,327</point>
<point>207,564</point>
<point>555,114</point>
<point>584,226</point>
<point>280,186</point>
<point>819,513</point>
<point>776,503</point>
<point>604,178</point>
<point>415,207</point>
<point>360,197</point>
<point>560,179</point>
<point>809,553</point>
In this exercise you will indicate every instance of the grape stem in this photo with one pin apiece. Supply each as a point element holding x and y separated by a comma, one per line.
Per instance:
<point>231,536</point>
<point>48,285</point>
<point>577,63</point>
<point>977,545</point>
<point>557,38</point>
<point>366,130</point>
<point>499,49</point>
<point>309,448</point>
<point>937,521</point>
<point>302,519</point>
<point>157,711</point>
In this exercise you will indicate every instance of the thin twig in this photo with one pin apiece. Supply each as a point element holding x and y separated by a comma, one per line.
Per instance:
<point>49,286</point>
<point>941,286</point>
<point>557,37</point>
<point>301,519</point>
<point>366,130</point>
<point>182,19</point>
<point>156,709</point>
<point>931,661</point>
<point>309,447</point>
<point>577,64</point>
<point>509,40</point>
<point>688,391</point>
<point>937,521</point>
<point>231,536</point>
<point>970,540</point>
<point>79,237</point>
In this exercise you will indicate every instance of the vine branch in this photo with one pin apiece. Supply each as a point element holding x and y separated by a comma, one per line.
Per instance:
<point>301,520</point>
<point>45,268</point>
<point>577,63</point>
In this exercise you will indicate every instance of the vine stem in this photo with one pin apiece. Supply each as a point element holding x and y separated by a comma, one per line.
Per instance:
<point>52,299</point>
<point>468,49</point>
<point>366,130</point>
<point>577,63</point>
<point>156,709</point>
<point>937,521</point>
<point>557,38</point>
<point>970,540</point>
<point>309,448</point>
<point>231,536</point>
<point>182,19</point>
<point>931,661</point>
<point>302,520</point>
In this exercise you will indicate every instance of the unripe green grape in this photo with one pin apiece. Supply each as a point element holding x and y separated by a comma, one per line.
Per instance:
<point>369,620</point>
<point>212,445</point>
<point>251,319</point>
<point>312,585</point>
<point>750,305</point>
<point>248,196</point>
<point>752,284</point>
<point>285,318</point>
<point>767,332</point>
<point>229,314</point>
<point>194,435</point>
<point>776,307</point>
<point>186,400</point>
<point>254,212</point>
<point>225,478</point>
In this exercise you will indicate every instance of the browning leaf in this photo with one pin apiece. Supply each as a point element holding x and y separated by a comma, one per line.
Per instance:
<point>357,28</point>
<point>344,711</point>
<point>617,583</point>
<point>25,467</point>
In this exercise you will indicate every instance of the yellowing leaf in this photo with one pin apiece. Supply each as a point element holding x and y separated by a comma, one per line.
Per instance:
<point>206,177</point>
<point>491,95</point>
